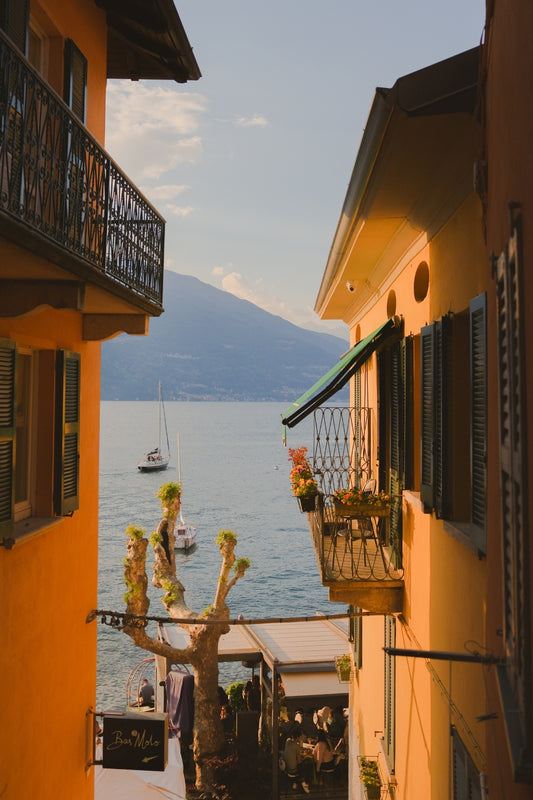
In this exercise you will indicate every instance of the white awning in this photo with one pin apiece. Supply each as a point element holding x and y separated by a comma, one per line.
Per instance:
<point>299,685</point>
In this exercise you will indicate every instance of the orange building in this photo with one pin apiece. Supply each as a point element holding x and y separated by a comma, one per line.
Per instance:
<point>81,259</point>
<point>441,680</point>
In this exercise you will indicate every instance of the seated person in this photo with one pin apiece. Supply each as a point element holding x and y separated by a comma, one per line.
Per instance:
<point>298,767</point>
<point>146,694</point>
<point>323,755</point>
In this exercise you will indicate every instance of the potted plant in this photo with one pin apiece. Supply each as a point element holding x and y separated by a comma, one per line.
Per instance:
<point>304,486</point>
<point>343,666</point>
<point>357,503</point>
<point>369,774</point>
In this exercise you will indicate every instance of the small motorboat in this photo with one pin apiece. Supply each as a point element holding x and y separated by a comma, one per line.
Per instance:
<point>155,460</point>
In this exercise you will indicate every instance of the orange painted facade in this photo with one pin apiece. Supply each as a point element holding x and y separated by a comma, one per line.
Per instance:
<point>427,235</point>
<point>57,303</point>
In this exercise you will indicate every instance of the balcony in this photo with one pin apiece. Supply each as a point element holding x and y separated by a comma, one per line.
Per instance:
<point>62,196</point>
<point>360,558</point>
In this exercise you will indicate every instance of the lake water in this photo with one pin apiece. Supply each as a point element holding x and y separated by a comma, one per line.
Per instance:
<point>235,475</point>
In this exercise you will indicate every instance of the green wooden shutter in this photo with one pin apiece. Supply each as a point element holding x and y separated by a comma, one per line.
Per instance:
<point>394,485</point>
<point>427,361</point>
<point>478,408</point>
<point>14,19</point>
<point>406,365</point>
<point>442,375</point>
<point>390,692</point>
<point>8,427</point>
<point>466,778</point>
<point>356,636</point>
<point>67,433</point>
<point>383,422</point>
<point>75,82</point>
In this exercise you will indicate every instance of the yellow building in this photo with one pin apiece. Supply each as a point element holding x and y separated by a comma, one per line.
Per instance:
<point>407,272</point>
<point>81,259</point>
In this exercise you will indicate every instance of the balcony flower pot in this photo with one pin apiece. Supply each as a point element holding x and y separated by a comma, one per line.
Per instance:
<point>304,485</point>
<point>343,667</point>
<point>360,509</point>
<point>307,503</point>
<point>369,774</point>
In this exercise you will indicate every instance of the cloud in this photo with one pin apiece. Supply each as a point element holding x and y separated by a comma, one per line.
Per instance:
<point>178,211</point>
<point>237,284</point>
<point>161,197</point>
<point>216,271</point>
<point>255,121</point>
<point>167,191</point>
<point>152,129</point>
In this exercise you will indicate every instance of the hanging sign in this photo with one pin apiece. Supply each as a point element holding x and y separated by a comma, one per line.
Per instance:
<point>135,741</point>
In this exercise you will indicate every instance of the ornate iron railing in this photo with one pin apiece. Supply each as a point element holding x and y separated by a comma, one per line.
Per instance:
<point>56,179</point>
<point>349,549</point>
<point>341,447</point>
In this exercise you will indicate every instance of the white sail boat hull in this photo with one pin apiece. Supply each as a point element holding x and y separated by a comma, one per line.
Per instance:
<point>155,460</point>
<point>184,536</point>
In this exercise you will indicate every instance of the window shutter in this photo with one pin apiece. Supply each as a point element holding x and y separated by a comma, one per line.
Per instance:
<point>396,446</point>
<point>75,90</point>
<point>427,361</point>
<point>406,365</point>
<point>8,372</point>
<point>67,433</point>
<point>513,471</point>
<point>390,692</point>
<point>14,21</point>
<point>356,636</point>
<point>478,426</point>
<point>466,778</point>
<point>442,405</point>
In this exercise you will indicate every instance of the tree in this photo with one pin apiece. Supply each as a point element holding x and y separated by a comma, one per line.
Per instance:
<point>202,652</point>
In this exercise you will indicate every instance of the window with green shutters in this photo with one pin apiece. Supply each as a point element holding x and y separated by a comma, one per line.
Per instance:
<point>395,447</point>
<point>21,412</point>
<point>453,397</point>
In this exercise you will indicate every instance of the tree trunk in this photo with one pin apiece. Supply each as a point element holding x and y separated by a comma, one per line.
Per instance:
<point>202,652</point>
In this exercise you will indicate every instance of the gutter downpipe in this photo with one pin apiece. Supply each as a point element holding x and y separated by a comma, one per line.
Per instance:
<point>373,135</point>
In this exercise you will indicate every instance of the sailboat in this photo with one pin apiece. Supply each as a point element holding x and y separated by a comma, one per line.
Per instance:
<point>155,460</point>
<point>184,532</point>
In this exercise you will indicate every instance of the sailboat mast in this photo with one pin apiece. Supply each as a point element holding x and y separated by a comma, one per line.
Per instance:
<point>179,478</point>
<point>159,433</point>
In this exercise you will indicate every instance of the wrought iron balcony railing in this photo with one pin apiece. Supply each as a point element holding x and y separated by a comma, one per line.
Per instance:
<point>359,557</point>
<point>60,183</point>
<point>352,549</point>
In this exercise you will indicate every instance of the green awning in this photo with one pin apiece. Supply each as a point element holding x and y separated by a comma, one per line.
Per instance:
<point>330,383</point>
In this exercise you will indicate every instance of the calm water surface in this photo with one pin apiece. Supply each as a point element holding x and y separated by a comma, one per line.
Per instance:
<point>235,475</point>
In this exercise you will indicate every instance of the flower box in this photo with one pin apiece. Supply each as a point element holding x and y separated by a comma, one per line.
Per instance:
<point>360,509</point>
<point>307,503</point>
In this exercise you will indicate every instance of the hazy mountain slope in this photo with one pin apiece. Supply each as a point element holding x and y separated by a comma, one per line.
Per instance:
<point>210,345</point>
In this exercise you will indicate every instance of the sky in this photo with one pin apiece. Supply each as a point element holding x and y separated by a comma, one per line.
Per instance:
<point>250,164</point>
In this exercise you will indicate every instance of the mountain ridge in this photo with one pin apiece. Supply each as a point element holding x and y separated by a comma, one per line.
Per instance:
<point>212,345</point>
